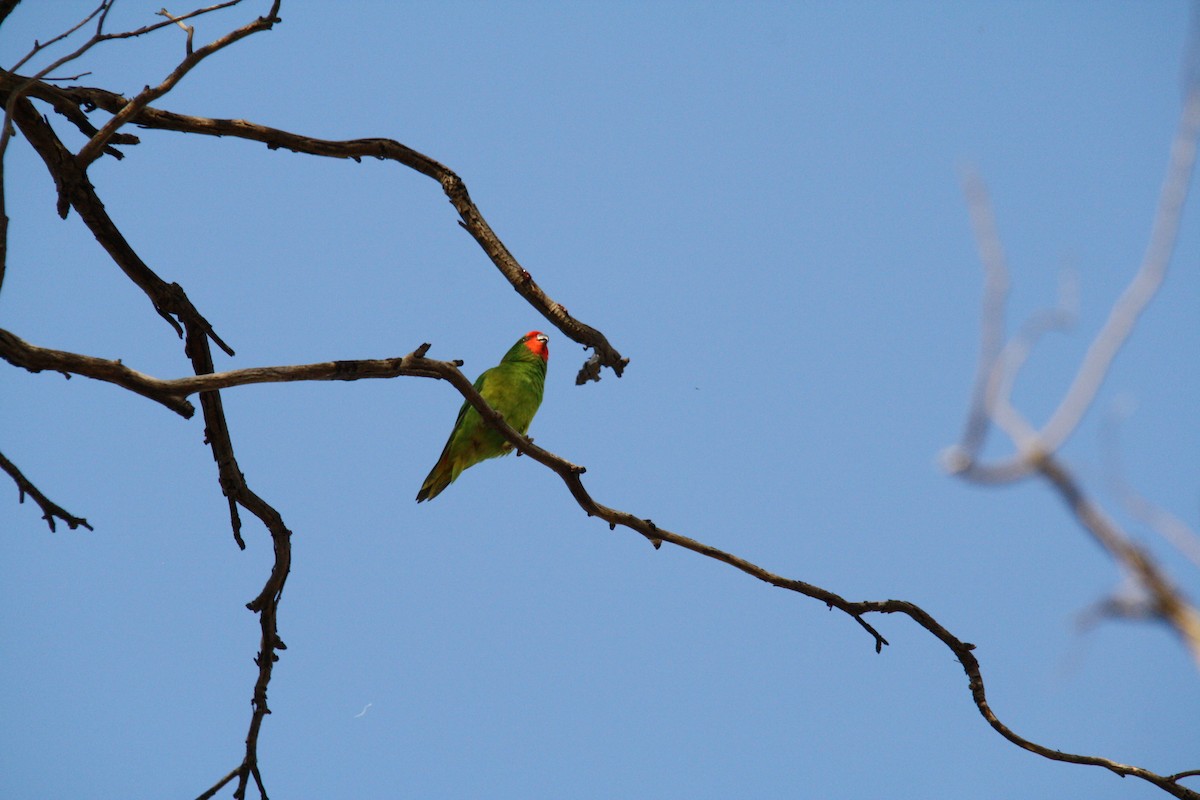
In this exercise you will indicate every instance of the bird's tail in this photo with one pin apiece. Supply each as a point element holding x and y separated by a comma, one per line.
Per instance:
<point>438,479</point>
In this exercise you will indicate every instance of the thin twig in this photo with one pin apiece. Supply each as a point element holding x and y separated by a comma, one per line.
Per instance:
<point>95,146</point>
<point>188,29</point>
<point>991,317</point>
<point>50,509</point>
<point>238,493</point>
<point>99,37</point>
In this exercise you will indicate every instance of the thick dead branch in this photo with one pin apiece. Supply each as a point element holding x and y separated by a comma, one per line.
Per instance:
<point>21,353</point>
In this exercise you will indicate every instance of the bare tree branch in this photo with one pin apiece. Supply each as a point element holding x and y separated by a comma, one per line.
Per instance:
<point>997,371</point>
<point>50,509</point>
<point>1168,525</point>
<point>101,11</point>
<point>70,175</point>
<point>69,172</point>
<point>415,364</point>
<point>1168,603</point>
<point>991,318</point>
<point>20,353</point>
<point>216,787</point>
<point>76,191</point>
<point>604,354</point>
<point>6,8</point>
<point>963,458</point>
<point>1141,290</point>
<point>92,150</point>
<point>238,493</point>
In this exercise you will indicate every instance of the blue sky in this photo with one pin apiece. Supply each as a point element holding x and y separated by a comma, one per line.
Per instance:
<point>760,205</point>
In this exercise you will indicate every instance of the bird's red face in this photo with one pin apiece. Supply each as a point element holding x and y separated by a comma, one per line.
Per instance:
<point>538,344</point>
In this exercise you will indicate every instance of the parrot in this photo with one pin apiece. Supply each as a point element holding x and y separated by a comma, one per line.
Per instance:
<point>514,388</point>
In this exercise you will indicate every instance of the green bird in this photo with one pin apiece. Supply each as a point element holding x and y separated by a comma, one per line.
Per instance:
<point>514,388</point>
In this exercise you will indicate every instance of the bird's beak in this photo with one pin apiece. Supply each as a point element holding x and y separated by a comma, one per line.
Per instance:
<point>543,338</point>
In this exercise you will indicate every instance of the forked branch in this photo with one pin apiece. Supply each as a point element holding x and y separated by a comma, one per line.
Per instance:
<point>1000,364</point>
<point>471,219</point>
<point>416,364</point>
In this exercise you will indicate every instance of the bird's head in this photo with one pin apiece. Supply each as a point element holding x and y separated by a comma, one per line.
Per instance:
<point>538,344</point>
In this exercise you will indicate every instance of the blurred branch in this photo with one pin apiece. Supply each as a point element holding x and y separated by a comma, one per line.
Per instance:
<point>1141,290</point>
<point>963,459</point>
<point>415,364</point>
<point>50,509</point>
<point>1169,526</point>
<point>995,296</point>
<point>991,400</point>
<point>385,149</point>
<point>1168,603</point>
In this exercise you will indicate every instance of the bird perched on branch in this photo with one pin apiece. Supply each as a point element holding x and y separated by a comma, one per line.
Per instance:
<point>514,388</point>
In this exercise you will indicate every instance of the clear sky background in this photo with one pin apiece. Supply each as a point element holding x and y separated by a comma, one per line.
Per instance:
<point>760,205</point>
